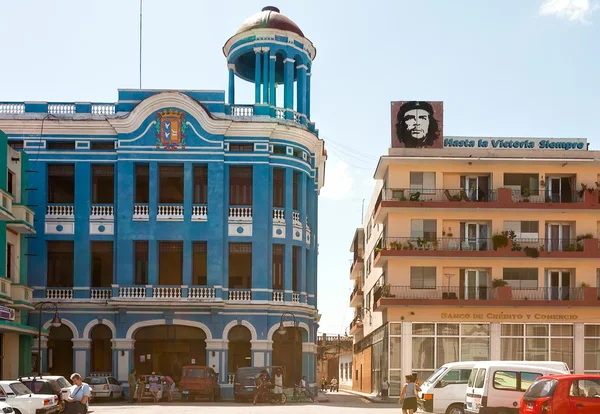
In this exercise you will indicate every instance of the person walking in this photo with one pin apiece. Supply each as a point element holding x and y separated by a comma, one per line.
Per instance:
<point>170,387</point>
<point>408,395</point>
<point>133,381</point>
<point>77,399</point>
<point>385,386</point>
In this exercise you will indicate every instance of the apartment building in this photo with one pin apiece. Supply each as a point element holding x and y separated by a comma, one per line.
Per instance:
<point>16,225</point>
<point>478,249</point>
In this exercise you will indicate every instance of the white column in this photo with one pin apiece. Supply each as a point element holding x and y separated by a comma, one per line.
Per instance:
<point>407,350</point>
<point>81,351</point>
<point>495,342</point>
<point>124,350</point>
<point>260,351</point>
<point>578,348</point>
<point>215,356</point>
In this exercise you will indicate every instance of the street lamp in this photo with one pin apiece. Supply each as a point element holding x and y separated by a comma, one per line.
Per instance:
<point>281,331</point>
<point>56,322</point>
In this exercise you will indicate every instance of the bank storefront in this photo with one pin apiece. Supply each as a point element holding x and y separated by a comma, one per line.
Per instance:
<point>425,341</point>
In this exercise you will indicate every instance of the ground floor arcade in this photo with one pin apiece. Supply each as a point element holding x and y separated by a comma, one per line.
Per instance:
<point>420,340</point>
<point>114,343</point>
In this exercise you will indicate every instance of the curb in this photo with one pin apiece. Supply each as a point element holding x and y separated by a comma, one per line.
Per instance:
<point>372,398</point>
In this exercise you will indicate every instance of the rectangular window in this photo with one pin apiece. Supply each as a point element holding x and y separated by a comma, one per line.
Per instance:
<point>171,185</point>
<point>61,183</point>
<point>102,146</point>
<point>60,263</point>
<point>298,153</point>
<point>591,345</point>
<point>141,262</point>
<point>102,263</point>
<point>10,187</point>
<point>170,263</point>
<point>200,263</point>
<point>103,184</point>
<point>60,145</point>
<point>295,195</point>
<point>200,184</point>
<point>278,264</point>
<point>422,181</point>
<point>505,380</point>
<point>521,278</point>
<point>529,227</point>
<point>522,182</point>
<point>278,187</point>
<point>422,277</point>
<point>142,183</point>
<point>241,147</point>
<point>240,186</point>
<point>279,149</point>
<point>16,145</point>
<point>9,260</point>
<point>423,229</point>
<point>240,265</point>
<point>295,268</point>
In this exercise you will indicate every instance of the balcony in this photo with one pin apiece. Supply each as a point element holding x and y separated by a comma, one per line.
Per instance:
<point>5,291</point>
<point>60,212</point>
<point>6,205</point>
<point>394,198</point>
<point>102,212</point>
<point>356,325</point>
<point>141,212</point>
<point>390,296</point>
<point>137,292</point>
<point>581,248</point>
<point>169,212</point>
<point>23,219</point>
<point>240,214</point>
<point>199,212</point>
<point>357,268</point>
<point>269,114</point>
<point>21,296</point>
<point>356,297</point>
<point>240,295</point>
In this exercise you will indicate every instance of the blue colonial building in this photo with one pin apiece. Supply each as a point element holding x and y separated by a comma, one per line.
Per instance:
<point>175,227</point>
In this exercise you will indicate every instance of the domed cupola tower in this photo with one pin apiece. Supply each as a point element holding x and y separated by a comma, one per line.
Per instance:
<point>270,50</point>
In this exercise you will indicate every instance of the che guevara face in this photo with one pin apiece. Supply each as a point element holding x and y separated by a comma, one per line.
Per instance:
<point>417,123</point>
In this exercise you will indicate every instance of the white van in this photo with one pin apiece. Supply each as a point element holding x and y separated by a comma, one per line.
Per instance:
<point>497,387</point>
<point>444,391</point>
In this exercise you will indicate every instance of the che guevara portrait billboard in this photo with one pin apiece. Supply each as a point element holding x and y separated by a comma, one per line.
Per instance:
<point>417,124</point>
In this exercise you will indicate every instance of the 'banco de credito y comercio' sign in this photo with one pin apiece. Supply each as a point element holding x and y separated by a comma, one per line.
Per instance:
<point>561,144</point>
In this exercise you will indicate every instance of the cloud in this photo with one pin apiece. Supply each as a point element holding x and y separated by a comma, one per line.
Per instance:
<point>572,10</point>
<point>338,181</point>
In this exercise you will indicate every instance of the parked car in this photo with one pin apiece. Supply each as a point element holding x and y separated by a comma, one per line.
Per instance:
<point>49,384</point>
<point>199,381</point>
<point>24,401</point>
<point>572,394</point>
<point>161,386</point>
<point>444,391</point>
<point>244,381</point>
<point>105,387</point>
<point>5,408</point>
<point>497,387</point>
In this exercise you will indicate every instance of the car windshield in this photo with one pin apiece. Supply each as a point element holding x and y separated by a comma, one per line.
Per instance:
<point>20,389</point>
<point>433,378</point>
<point>39,387</point>
<point>541,388</point>
<point>63,383</point>
<point>195,373</point>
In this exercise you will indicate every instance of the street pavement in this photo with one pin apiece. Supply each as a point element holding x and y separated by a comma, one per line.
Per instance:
<point>337,403</point>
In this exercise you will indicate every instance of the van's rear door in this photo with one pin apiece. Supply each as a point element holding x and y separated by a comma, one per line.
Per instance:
<point>475,388</point>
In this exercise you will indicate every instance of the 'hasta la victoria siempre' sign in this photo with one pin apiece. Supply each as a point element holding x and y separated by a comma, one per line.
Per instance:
<point>578,144</point>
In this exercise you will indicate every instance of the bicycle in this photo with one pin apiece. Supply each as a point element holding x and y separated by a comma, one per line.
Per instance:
<point>299,395</point>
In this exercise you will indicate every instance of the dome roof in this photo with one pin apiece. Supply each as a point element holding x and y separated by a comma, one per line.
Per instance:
<point>270,18</point>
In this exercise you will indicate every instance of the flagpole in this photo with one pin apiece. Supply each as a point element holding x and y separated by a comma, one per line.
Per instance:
<point>141,44</point>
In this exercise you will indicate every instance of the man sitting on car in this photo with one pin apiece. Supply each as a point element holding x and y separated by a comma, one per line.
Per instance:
<point>78,396</point>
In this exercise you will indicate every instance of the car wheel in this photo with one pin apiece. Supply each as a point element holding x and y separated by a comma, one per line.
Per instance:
<point>16,411</point>
<point>455,409</point>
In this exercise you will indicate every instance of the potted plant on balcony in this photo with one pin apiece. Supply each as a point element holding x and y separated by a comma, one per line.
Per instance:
<point>526,193</point>
<point>500,240</point>
<point>585,285</point>
<point>584,187</point>
<point>496,283</point>
<point>532,252</point>
<point>385,291</point>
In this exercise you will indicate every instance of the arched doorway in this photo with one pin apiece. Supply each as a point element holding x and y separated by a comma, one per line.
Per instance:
<point>101,350</point>
<point>166,349</point>
<point>240,349</point>
<point>286,349</point>
<point>60,351</point>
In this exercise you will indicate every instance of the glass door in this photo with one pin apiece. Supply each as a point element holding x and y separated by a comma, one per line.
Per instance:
<point>553,189</point>
<point>476,282</point>
<point>559,284</point>
<point>558,237</point>
<point>476,236</point>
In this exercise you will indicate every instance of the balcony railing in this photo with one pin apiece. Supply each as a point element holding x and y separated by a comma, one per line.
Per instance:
<point>548,293</point>
<point>296,297</point>
<point>141,212</point>
<point>278,296</point>
<point>439,292</point>
<point>439,195</point>
<point>240,294</point>
<point>60,211</point>
<point>356,323</point>
<point>6,201</point>
<point>279,215</point>
<point>526,196</point>
<point>240,214</point>
<point>102,212</point>
<point>100,293</point>
<point>166,292</point>
<point>296,219</point>
<point>168,212</point>
<point>132,292</point>
<point>59,293</point>
<point>199,212</point>
<point>5,286</point>
<point>202,293</point>
<point>64,109</point>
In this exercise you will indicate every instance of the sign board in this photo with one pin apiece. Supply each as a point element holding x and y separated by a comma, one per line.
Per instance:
<point>560,144</point>
<point>417,124</point>
<point>7,314</point>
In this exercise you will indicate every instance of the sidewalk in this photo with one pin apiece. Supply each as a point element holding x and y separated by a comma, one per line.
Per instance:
<point>372,397</point>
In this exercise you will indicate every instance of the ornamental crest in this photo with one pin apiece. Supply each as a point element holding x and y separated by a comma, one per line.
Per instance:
<point>170,129</point>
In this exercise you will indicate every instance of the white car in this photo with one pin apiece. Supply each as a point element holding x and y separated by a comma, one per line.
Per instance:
<point>5,408</point>
<point>104,387</point>
<point>23,401</point>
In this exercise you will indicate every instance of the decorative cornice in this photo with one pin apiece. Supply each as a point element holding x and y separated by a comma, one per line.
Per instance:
<point>123,344</point>
<point>257,49</point>
<point>302,67</point>
<point>288,60</point>
<point>79,343</point>
<point>216,344</point>
<point>268,36</point>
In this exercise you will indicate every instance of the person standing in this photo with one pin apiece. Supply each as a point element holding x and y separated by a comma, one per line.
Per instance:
<point>170,387</point>
<point>154,380</point>
<point>278,382</point>
<point>141,388</point>
<point>77,399</point>
<point>408,396</point>
<point>323,384</point>
<point>133,381</point>
<point>385,386</point>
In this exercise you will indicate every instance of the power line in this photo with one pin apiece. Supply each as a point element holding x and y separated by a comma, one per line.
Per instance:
<point>350,150</point>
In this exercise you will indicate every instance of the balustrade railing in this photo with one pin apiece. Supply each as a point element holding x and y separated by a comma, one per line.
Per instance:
<point>479,244</point>
<point>296,219</point>
<point>279,113</point>
<point>278,215</point>
<point>132,292</point>
<point>278,296</point>
<point>439,292</point>
<point>170,212</point>
<point>438,195</point>
<point>202,293</point>
<point>102,211</point>
<point>61,109</point>
<point>240,213</point>
<point>59,293</point>
<point>60,211</point>
<point>100,293</point>
<point>230,378</point>
<point>12,108</point>
<point>199,212</point>
<point>103,109</point>
<point>296,117</point>
<point>166,292</point>
<point>242,110</point>
<point>548,293</point>
<point>296,297</point>
<point>240,294</point>
<point>529,196</point>
<point>141,212</point>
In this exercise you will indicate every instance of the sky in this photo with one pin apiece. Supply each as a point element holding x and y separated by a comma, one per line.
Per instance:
<point>504,68</point>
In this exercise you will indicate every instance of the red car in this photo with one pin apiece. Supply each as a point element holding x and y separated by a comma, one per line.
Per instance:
<point>563,394</point>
